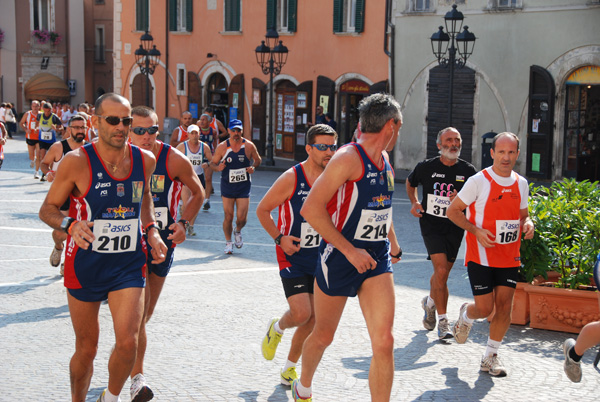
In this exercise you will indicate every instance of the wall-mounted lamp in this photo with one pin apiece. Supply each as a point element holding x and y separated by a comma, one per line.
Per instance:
<point>209,55</point>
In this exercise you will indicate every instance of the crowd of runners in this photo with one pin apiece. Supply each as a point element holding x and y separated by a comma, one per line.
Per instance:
<point>120,201</point>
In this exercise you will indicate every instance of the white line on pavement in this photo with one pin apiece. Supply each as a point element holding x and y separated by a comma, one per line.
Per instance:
<point>26,229</point>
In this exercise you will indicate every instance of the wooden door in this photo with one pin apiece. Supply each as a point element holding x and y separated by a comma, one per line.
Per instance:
<point>540,123</point>
<point>138,91</point>
<point>259,124</point>
<point>236,99</point>
<point>303,108</point>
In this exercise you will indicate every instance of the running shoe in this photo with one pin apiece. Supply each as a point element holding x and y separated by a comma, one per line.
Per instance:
<point>461,329</point>
<point>444,329</point>
<point>429,317</point>
<point>140,391</point>
<point>238,239</point>
<point>31,164</point>
<point>288,376</point>
<point>229,248</point>
<point>295,395</point>
<point>492,365</point>
<point>43,178</point>
<point>190,231</point>
<point>101,397</point>
<point>36,175</point>
<point>55,257</point>
<point>206,205</point>
<point>572,368</point>
<point>271,340</point>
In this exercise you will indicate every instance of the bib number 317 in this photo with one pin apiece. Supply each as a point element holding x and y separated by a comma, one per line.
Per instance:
<point>373,225</point>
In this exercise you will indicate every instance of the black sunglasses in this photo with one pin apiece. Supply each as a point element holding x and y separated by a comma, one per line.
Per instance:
<point>142,130</point>
<point>323,147</point>
<point>114,120</point>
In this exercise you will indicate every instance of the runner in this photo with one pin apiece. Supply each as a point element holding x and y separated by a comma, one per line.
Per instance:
<point>497,199</point>
<point>441,177</point>
<point>216,124</point>
<point>173,170</point>
<point>49,124</point>
<point>350,206</point>
<point>3,137</point>
<point>208,135</point>
<point>29,124</point>
<point>199,154</point>
<point>180,134</point>
<point>108,183</point>
<point>75,139</point>
<point>233,159</point>
<point>297,245</point>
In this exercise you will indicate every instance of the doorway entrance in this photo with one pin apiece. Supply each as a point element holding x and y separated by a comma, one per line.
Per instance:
<point>351,93</point>
<point>218,96</point>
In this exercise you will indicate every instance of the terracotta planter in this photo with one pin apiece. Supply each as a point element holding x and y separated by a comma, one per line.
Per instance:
<point>557,309</point>
<point>520,307</point>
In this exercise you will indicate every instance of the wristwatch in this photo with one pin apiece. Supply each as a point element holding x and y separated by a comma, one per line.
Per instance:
<point>66,224</point>
<point>186,224</point>
<point>278,239</point>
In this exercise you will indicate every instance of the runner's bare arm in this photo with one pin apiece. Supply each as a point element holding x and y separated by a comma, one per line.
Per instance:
<point>395,248</point>
<point>217,164</point>
<point>51,156</point>
<point>416,208</point>
<point>456,215</point>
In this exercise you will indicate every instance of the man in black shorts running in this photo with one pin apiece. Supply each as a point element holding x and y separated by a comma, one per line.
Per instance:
<point>441,177</point>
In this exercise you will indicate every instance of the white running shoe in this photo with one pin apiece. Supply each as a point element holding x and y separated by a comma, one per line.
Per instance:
<point>492,365</point>
<point>55,257</point>
<point>140,391</point>
<point>461,329</point>
<point>444,329</point>
<point>36,175</point>
<point>429,317</point>
<point>572,368</point>
<point>238,239</point>
<point>229,248</point>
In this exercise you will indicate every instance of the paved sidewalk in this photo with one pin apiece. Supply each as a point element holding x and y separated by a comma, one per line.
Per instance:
<point>205,336</point>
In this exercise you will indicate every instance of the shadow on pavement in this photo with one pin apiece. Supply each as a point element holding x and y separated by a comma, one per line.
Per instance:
<point>406,358</point>
<point>20,288</point>
<point>459,389</point>
<point>37,315</point>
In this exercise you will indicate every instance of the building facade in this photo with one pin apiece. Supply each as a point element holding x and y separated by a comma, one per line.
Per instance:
<point>534,71</point>
<point>335,58</point>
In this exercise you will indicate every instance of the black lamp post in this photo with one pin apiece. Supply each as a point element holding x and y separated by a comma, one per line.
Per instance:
<point>147,57</point>
<point>465,42</point>
<point>271,57</point>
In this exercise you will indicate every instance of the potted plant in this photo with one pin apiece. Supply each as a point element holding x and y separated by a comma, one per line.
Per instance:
<point>43,36</point>
<point>567,240</point>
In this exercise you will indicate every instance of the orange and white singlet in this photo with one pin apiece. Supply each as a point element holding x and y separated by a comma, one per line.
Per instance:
<point>182,134</point>
<point>494,203</point>
<point>31,133</point>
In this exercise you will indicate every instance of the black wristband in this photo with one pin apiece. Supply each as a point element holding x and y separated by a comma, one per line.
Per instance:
<point>150,226</point>
<point>397,255</point>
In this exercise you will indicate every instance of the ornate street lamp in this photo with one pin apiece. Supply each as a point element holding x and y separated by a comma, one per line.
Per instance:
<point>147,57</point>
<point>271,57</point>
<point>465,42</point>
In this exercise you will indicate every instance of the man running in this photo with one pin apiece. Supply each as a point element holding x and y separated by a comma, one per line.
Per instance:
<point>297,245</point>
<point>208,135</point>
<point>350,206</point>
<point>199,154</point>
<point>75,139</point>
<point>441,177</point>
<point>180,134</point>
<point>216,124</point>
<point>236,159</point>
<point>172,171</point>
<point>29,124</point>
<point>49,124</point>
<point>108,182</point>
<point>497,199</point>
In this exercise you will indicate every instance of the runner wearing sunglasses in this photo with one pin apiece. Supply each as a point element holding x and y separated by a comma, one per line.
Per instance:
<point>173,170</point>
<point>297,245</point>
<point>108,184</point>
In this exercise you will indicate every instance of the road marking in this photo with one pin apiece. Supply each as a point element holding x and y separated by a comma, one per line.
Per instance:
<point>22,229</point>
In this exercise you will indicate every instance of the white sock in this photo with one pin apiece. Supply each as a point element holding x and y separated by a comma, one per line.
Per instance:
<point>442,317</point>
<point>304,392</point>
<point>108,397</point>
<point>289,364</point>
<point>467,319</point>
<point>277,328</point>
<point>492,347</point>
<point>430,302</point>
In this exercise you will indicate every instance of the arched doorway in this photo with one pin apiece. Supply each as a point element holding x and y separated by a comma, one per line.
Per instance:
<point>218,96</point>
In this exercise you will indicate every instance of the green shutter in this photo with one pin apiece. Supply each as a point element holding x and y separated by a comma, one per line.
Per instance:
<point>292,15</point>
<point>338,15</point>
<point>232,15</point>
<point>359,23</point>
<point>271,14</point>
<point>237,15</point>
<point>172,15</point>
<point>141,15</point>
<point>189,15</point>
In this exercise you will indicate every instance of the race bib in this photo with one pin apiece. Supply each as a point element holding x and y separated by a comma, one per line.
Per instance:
<point>373,225</point>
<point>195,159</point>
<point>507,231</point>
<point>46,135</point>
<point>309,238</point>
<point>115,236</point>
<point>437,205</point>
<point>237,175</point>
<point>162,217</point>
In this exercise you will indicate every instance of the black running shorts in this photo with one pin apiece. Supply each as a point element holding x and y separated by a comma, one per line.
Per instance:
<point>484,279</point>
<point>297,285</point>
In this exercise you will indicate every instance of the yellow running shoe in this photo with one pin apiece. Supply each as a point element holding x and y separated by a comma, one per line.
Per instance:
<point>288,376</point>
<point>295,395</point>
<point>101,398</point>
<point>271,340</point>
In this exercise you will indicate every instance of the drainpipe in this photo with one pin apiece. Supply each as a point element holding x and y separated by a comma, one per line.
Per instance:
<point>389,38</point>
<point>167,59</point>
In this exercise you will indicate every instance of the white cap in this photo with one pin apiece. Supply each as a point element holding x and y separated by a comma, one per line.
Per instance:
<point>193,127</point>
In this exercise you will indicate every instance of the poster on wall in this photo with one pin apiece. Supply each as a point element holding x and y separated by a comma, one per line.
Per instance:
<point>300,139</point>
<point>289,121</point>
<point>301,100</point>
<point>256,96</point>
<point>279,112</point>
<point>278,141</point>
<point>235,100</point>
<point>535,125</point>
<point>255,134</point>
<point>324,103</point>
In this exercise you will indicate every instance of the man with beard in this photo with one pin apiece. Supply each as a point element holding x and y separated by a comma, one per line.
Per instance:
<point>75,139</point>
<point>297,245</point>
<point>441,177</point>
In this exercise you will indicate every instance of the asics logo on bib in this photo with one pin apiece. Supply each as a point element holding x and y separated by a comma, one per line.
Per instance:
<point>375,217</point>
<point>508,225</point>
<point>110,227</point>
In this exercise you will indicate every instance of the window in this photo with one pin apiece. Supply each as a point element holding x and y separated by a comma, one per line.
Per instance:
<point>233,15</point>
<point>180,15</point>
<point>507,3</point>
<point>42,15</point>
<point>99,47</point>
<point>281,14</point>
<point>504,4</point>
<point>142,15</point>
<point>348,15</point>
<point>181,81</point>
<point>420,5</point>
